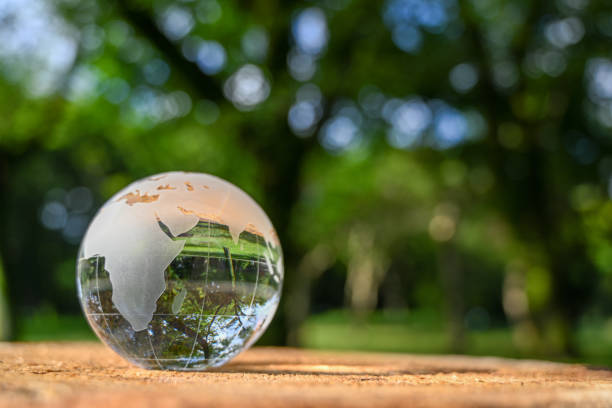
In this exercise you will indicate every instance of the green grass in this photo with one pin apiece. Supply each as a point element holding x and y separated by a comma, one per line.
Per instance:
<point>49,326</point>
<point>420,332</point>
<point>424,332</point>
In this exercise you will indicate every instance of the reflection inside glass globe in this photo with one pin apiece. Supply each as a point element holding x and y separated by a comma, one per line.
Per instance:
<point>180,271</point>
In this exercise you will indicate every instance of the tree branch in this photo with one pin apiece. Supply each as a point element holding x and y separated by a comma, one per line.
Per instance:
<point>204,85</point>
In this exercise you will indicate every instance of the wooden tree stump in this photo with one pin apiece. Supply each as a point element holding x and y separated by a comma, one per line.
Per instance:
<point>89,375</point>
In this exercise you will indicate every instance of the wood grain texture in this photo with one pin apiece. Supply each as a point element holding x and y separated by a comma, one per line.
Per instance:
<point>90,375</point>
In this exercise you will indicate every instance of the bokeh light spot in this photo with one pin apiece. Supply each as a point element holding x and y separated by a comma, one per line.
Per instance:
<point>255,44</point>
<point>463,77</point>
<point>176,22</point>
<point>247,87</point>
<point>54,215</point>
<point>206,112</point>
<point>210,57</point>
<point>310,31</point>
<point>156,72</point>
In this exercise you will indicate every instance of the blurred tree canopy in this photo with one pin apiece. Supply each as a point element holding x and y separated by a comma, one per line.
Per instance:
<point>411,153</point>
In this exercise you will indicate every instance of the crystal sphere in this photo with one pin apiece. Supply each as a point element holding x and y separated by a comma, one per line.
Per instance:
<point>180,271</point>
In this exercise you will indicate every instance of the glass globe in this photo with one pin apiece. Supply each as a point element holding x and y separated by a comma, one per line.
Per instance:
<point>180,271</point>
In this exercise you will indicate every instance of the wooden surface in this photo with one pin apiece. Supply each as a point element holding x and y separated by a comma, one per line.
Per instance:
<point>89,375</point>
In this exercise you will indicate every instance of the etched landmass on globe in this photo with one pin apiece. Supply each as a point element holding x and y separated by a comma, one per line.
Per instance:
<point>138,233</point>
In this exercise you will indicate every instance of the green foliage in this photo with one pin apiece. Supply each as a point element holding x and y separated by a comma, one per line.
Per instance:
<point>458,159</point>
<point>420,331</point>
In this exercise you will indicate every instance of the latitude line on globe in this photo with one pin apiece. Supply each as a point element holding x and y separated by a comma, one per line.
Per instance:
<point>232,210</point>
<point>173,314</point>
<point>236,258</point>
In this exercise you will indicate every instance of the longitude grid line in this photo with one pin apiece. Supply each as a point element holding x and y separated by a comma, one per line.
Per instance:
<point>203,299</point>
<point>153,349</point>
<point>238,332</point>
<point>101,307</point>
<point>256,276</point>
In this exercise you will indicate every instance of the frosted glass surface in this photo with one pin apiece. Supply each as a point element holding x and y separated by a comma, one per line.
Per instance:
<point>180,271</point>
